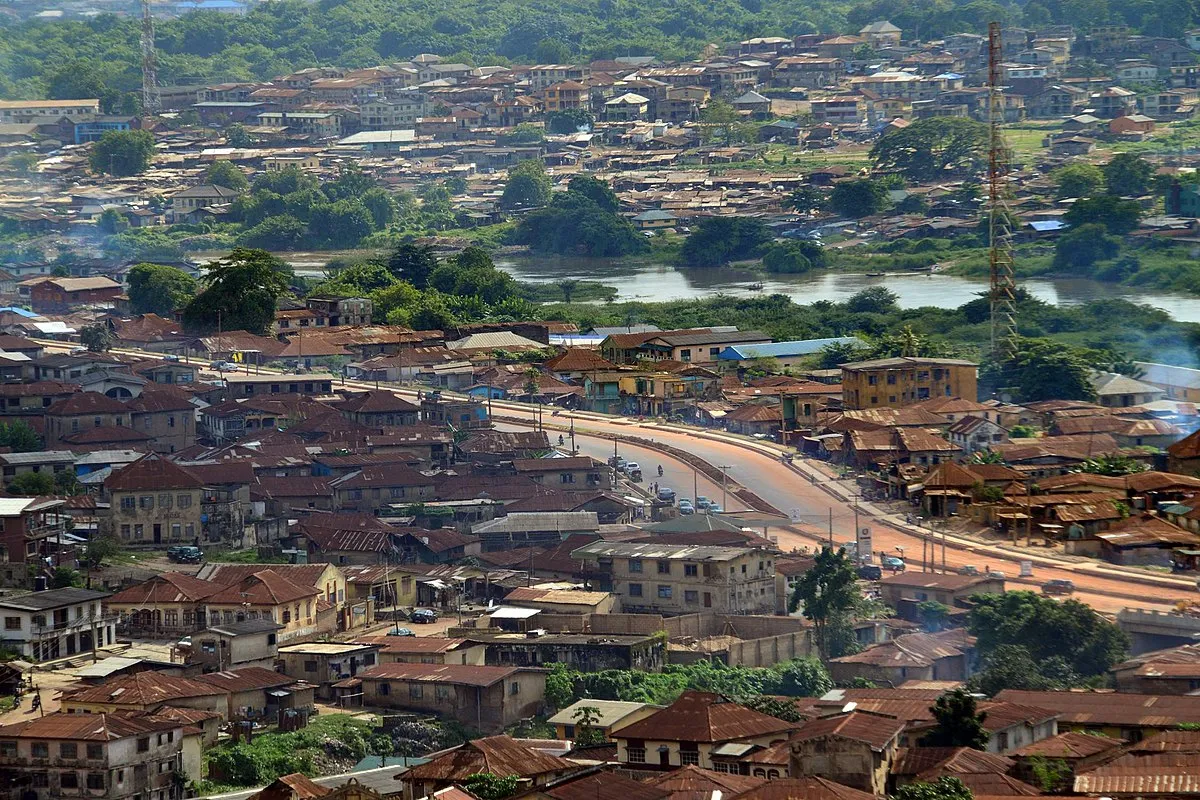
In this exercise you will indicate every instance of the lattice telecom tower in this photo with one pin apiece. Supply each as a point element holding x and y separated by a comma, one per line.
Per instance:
<point>150,98</point>
<point>1000,255</point>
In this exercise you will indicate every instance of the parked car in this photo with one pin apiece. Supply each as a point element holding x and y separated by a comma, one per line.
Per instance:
<point>423,615</point>
<point>685,507</point>
<point>223,366</point>
<point>969,569</point>
<point>401,632</point>
<point>666,493</point>
<point>185,554</point>
<point>171,358</point>
<point>631,467</point>
<point>870,572</point>
<point>702,503</point>
<point>715,508</point>
<point>894,564</point>
<point>995,574</point>
<point>617,463</point>
<point>1058,586</point>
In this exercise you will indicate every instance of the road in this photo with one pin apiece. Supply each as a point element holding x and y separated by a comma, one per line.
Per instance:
<point>818,512</point>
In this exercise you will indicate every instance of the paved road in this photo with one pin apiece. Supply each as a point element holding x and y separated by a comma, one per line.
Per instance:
<point>811,505</point>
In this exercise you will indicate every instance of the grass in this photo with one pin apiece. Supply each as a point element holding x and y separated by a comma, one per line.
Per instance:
<point>249,556</point>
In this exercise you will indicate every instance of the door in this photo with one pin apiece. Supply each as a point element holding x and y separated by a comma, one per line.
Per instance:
<point>664,757</point>
<point>708,599</point>
<point>157,533</point>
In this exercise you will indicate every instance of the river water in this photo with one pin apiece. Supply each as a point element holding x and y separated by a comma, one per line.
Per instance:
<point>661,282</point>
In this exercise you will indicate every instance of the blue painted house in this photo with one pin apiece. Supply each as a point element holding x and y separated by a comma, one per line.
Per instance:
<point>788,354</point>
<point>90,129</point>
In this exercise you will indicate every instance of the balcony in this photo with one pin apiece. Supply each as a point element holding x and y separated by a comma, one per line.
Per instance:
<point>71,626</point>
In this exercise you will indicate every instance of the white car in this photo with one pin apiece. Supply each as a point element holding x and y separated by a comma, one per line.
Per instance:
<point>632,467</point>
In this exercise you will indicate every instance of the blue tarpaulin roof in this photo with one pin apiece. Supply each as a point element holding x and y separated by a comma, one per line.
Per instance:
<point>802,347</point>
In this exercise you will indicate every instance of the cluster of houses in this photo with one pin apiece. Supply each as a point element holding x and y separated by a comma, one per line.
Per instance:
<point>413,122</point>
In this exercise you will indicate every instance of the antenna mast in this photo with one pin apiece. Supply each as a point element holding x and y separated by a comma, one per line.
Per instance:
<point>151,102</point>
<point>1000,255</point>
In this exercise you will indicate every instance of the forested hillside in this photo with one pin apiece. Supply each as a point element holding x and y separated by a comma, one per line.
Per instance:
<point>80,59</point>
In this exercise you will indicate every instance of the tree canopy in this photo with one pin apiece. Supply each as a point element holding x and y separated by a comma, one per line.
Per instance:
<point>1128,175</point>
<point>828,595</point>
<point>239,293</point>
<point>225,173</point>
<point>581,221</point>
<point>932,148</point>
<point>122,153</point>
<point>959,724</point>
<point>719,240</point>
<point>158,289</point>
<point>860,198</point>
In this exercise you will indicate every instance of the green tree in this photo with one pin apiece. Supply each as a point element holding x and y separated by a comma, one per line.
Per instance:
<point>595,190</point>
<point>959,724</point>
<point>934,616</point>
<point>568,121</point>
<point>786,710</point>
<point>279,233</point>
<point>807,198</point>
<point>111,221</point>
<point>65,577</point>
<point>526,133</point>
<point>240,291</point>
<point>96,338</point>
<point>1082,247</point>
<point>1045,369</point>
<point>859,198</point>
<point>31,484</point>
<point>575,224</point>
<point>1051,775</point>
<point>122,153</point>
<point>157,289</point>
<point>828,595</point>
<point>236,135</point>
<point>1114,465</point>
<point>1078,180</point>
<point>560,688</point>
<point>1128,175</point>
<point>720,240</point>
<point>101,550</point>
<point>18,437</point>
<point>944,788</point>
<point>568,286</point>
<point>489,786</point>
<point>933,148</point>
<point>1047,629</point>
<point>528,186</point>
<point>1118,216</point>
<point>723,122</point>
<point>413,263</point>
<point>343,223</point>
<point>792,257</point>
<point>872,300</point>
<point>380,206</point>
<point>586,731</point>
<point>1010,666</point>
<point>225,173</point>
<point>835,354</point>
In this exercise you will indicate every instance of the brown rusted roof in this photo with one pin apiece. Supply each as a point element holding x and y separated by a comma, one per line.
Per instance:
<point>1169,742</point>
<point>1072,744</point>
<point>102,727</point>
<point>604,786</point>
<point>1097,709</point>
<point>166,587</point>
<point>152,472</point>
<point>85,403</point>
<point>870,729</point>
<point>499,755</point>
<point>263,588</point>
<point>245,679</point>
<point>459,674</point>
<point>704,717</point>
<point>693,783</point>
<point>1168,774</point>
<point>803,788</point>
<point>992,783</point>
<point>411,644</point>
<point>927,764</point>
<point>296,786</point>
<point>375,402</point>
<point>141,689</point>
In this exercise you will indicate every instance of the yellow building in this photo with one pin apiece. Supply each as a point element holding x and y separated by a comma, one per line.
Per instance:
<point>1180,383</point>
<point>269,595</point>
<point>605,716</point>
<point>903,381</point>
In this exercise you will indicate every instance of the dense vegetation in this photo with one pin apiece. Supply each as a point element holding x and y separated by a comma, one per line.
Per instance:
<point>99,57</point>
<point>804,677</point>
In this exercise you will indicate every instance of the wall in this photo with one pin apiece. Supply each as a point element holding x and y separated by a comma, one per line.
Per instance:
<point>764,641</point>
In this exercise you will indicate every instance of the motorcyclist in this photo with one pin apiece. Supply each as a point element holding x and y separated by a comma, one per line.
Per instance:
<point>660,470</point>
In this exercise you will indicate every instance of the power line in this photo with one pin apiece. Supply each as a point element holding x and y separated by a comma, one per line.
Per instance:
<point>1000,251</point>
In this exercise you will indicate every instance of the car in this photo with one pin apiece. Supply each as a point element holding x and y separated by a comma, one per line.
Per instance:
<point>666,493</point>
<point>401,632</point>
<point>617,463</point>
<point>686,511</point>
<point>893,563</point>
<point>1058,586</point>
<point>223,366</point>
<point>969,569</point>
<point>870,572</point>
<point>185,554</point>
<point>702,503</point>
<point>423,615</point>
<point>715,508</point>
<point>184,643</point>
<point>631,467</point>
<point>995,574</point>
<point>171,358</point>
<point>77,350</point>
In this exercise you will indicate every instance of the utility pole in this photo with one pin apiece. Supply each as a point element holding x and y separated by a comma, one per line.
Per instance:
<point>724,489</point>
<point>1000,250</point>
<point>831,527</point>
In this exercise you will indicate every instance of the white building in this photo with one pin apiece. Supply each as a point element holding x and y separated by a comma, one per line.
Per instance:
<point>56,623</point>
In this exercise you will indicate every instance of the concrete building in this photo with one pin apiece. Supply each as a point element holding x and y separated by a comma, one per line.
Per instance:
<point>682,579</point>
<point>116,757</point>
<point>613,715</point>
<point>903,381</point>
<point>855,749</point>
<point>29,533</point>
<point>250,643</point>
<point>326,663</point>
<point>484,698</point>
<point>56,623</point>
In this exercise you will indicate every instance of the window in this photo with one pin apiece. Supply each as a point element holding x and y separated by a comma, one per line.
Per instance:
<point>128,503</point>
<point>12,623</point>
<point>310,666</point>
<point>146,502</point>
<point>208,646</point>
<point>95,751</point>
<point>68,780</point>
<point>68,750</point>
<point>385,688</point>
<point>635,590</point>
<point>441,692</point>
<point>40,780</point>
<point>691,597</point>
<point>138,531</point>
<point>287,617</point>
<point>664,567</point>
<point>514,687</point>
<point>8,749</point>
<point>635,565</point>
<point>566,477</point>
<point>636,755</point>
<point>125,531</point>
<point>39,750</point>
<point>689,757</point>
<point>143,745</point>
<point>164,501</point>
<point>95,780</point>
<point>872,380</point>
<point>664,591</point>
<point>184,501</point>
<point>891,379</point>
<point>415,691</point>
<point>690,570</point>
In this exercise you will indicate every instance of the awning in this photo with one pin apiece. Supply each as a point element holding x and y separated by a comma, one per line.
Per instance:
<point>433,583</point>
<point>509,612</point>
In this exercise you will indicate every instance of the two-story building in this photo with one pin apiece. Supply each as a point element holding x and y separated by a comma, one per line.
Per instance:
<point>56,623</point>
<point>683,579</point>
<point>30,529</point>
<point>903,381</point>
<point>153,502</point>
<point>59,295</point>
<point>249,643</point>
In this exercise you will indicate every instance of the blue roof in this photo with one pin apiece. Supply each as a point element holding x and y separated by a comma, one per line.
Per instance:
<point>802,347</point>
<point>1044,226</point>
<point>20,312</point>
<point>951,76</point>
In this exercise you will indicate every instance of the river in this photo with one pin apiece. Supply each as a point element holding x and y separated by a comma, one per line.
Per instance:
<point>661,282</point>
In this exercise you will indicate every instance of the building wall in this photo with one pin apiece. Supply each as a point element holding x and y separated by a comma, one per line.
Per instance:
<point>847,762</point>
<point>745,584</point>
<point>487,709</point>
<point>172,430</point>
<point>905,385</point>
<point>148,517</point>
<point>651,753</point>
